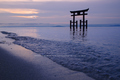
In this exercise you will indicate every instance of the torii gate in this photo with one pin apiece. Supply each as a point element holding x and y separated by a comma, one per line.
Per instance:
<point>79,13</point>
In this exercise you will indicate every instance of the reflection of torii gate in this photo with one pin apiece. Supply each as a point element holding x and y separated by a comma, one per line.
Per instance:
<point>79,13</point>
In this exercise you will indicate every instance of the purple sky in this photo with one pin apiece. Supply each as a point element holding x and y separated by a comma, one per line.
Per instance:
<point>58,11</point>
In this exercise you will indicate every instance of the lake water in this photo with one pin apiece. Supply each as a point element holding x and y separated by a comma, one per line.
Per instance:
<point>95,52</point>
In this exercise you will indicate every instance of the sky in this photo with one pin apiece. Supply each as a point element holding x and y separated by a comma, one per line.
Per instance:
<point>58,11</point>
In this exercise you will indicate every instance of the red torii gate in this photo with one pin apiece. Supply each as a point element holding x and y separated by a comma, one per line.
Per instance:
<point>79,13</point>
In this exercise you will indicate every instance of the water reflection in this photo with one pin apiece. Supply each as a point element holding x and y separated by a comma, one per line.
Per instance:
<point>78,35</point>
<point>22,31</point>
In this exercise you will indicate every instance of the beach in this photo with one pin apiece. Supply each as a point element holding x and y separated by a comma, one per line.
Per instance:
<point>18,63</point>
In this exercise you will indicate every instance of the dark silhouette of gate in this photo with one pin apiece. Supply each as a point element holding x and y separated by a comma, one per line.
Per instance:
<point>82,22</point>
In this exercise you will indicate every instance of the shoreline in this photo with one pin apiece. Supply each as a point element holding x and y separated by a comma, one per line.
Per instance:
<point>18,63</point>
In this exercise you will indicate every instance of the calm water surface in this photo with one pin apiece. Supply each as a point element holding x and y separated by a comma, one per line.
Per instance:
<point>94,35</point>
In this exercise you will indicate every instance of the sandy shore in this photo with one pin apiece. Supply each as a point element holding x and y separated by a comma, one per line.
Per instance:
<point>18,63</point>
<point>12,68</point>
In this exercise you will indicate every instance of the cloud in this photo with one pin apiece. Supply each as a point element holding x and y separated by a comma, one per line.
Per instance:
<point>19,11</point>
<point>31,17</point>
<point>58,0</point>
<point>13,0</point>
<point>55,16</point>
<point>55,11</point>
<point>44,0</point>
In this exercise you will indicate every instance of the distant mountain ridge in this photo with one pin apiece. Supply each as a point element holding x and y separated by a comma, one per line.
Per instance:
<point>52,25</point>
<point>27,24</point>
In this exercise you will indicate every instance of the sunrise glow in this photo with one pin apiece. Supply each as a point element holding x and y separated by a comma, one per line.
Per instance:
<point>12,0</point>
<point>19,11</point>
<point>32,17</point>
<point>57,0</point>
<point>40,0</point>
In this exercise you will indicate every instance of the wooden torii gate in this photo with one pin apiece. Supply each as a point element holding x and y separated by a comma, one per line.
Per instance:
<point>82,23</point>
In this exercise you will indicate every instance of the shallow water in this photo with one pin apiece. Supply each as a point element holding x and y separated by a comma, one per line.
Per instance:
<point>95,52</point>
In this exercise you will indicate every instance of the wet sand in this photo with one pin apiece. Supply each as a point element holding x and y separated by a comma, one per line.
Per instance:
<point>12,68</point>
<point>18,63</point>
